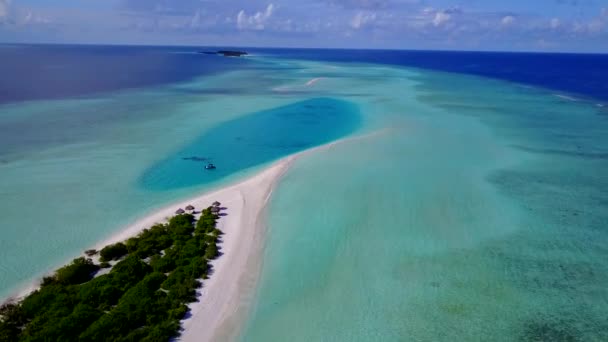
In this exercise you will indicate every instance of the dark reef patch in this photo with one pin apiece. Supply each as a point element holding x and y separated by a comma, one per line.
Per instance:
<point>548,331</point>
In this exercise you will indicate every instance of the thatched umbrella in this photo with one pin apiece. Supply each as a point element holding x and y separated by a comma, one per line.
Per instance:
<point>190,207</point>
<point>216,204</point>
<point>215,210</point>
<point>179,211</point>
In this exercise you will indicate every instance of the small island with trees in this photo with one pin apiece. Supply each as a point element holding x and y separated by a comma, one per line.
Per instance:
<point>136,290</point>
<point>226,53</point>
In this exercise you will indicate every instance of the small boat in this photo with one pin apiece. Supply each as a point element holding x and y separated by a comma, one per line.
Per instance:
<point>210,166</point>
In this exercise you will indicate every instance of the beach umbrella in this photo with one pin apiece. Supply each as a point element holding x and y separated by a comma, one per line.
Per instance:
<point>216,204</point>
<point>179,211</point>
<point>215,210</point>
<point>190,207</point>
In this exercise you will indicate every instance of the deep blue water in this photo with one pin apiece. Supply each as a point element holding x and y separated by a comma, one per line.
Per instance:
<point>584,74</point>
<point>253,140</point>
<point>32,72</point>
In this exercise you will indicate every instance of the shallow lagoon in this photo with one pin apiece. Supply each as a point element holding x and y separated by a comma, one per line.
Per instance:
<point>464,209</point>
<point>254,139</point>
<point>74,171</point>
<point>477,212</point>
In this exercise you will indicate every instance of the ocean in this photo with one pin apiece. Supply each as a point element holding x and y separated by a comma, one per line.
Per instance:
<point>582,74</point>
<point>466,199</point>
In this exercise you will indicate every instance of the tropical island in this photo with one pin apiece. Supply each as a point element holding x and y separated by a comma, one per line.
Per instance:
<point>136,290</point>
<point>225,53</point>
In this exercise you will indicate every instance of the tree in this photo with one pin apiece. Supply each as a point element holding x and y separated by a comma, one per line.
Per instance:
<point>134,301</point>
<point>78,272</point>
<point>11,320</point>
<point>113,252</point>
<point>211,252</point>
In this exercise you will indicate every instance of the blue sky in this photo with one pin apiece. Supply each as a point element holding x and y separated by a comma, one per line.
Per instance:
<point>515,25</point>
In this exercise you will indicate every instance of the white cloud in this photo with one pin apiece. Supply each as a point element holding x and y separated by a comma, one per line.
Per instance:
<point>595,26</point>
<point>32,18</point>
<point>554,23</point>
<point>508,20</point>
<point>441,18</point>
<point>19,17</point>
<point>361,19</point>
<point>255,21</point>
<point>5,6</point>
<point>196,19</point>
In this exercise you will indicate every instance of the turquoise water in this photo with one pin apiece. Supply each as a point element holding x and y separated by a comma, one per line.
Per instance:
<point>73,172</point>
<point>457,209</point>
<point>253,140</point>
<point>477,212</point>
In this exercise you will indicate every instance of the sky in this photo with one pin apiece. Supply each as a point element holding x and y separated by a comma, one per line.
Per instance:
<point>492,25</point>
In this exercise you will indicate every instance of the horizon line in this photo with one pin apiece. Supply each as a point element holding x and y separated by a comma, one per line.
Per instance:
<point>308,48</point>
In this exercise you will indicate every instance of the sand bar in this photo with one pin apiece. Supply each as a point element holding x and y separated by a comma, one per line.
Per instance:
<point>228,293</point>
<point>222,299</point>
<point>222,294</point>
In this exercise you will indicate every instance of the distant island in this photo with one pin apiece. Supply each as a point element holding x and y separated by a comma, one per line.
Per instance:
<point>136,290</point>
<point>225,53</point>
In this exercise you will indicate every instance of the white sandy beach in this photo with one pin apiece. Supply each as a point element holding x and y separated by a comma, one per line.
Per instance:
<point>222,298</point>
<point>227,295</point>
<point>221,295</point>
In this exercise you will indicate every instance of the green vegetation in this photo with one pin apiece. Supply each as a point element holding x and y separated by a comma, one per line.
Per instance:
<point>90,252</point>
<point>142,298</point>
<point>113,252</point>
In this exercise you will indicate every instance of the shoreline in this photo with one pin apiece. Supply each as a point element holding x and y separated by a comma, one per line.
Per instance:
<point>154,216</point>
<point>245,200</point>
<point>240,247</point>
<point>226,296</point>
<point>223,298</point>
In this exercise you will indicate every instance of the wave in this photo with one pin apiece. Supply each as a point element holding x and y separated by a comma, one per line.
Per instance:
<point>566,97</point>
<point>313,81</point>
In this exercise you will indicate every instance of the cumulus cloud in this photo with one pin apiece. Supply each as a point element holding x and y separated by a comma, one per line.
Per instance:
<point>161,6</point>
<point>21,17</point>
<point>255,21</point>
<point>507,20</point>
<point>441,18</point>
<point>32,18</point>
<point>196,19</point>
<point>362,4</point>
<point>5,6</point>
<point>395,23</point>
<point>594,26</point>
<point>361,19</point>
